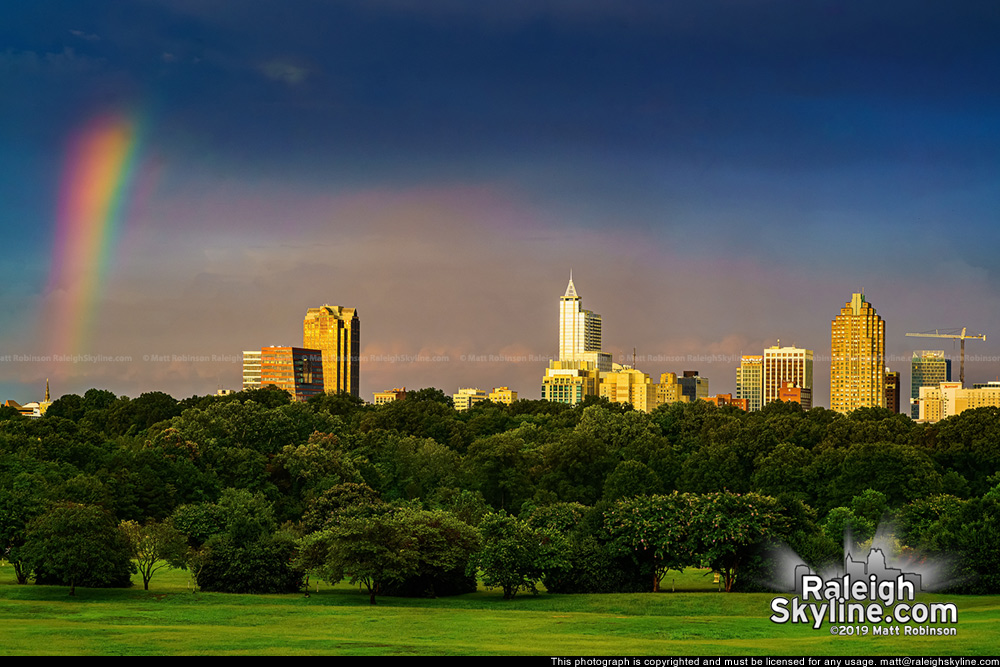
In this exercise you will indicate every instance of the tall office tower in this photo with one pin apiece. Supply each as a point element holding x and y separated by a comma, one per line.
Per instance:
<point>787,364</point>
<point>750,381</point>
<point>336,332</point>
<point>296,370</point>
<point>857,360</point>
<point>892,390</point>
<point>928,368</point>
<point>580,332</point>
<point>251,369</point>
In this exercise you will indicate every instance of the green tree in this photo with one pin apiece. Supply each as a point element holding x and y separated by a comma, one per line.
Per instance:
<point>78,545</point>
<point>389,548</point>
<point>656,530</point>
<point>514,556</point>
<point>731,527</point>
<point>21,502</point>
<point>154,546</point>
<point>631,478</point>
<point>247,553</point>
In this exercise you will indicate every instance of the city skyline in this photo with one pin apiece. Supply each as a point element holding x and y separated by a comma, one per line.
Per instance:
<point>182,180</point>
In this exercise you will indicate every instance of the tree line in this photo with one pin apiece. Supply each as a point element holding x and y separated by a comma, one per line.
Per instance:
<point>253,493</point>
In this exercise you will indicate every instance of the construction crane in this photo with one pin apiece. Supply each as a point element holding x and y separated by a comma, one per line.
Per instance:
<point>961,336</point>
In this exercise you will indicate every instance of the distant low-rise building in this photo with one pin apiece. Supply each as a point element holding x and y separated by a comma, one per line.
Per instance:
<point>389,395</point>
<point>627,385</point>
<point>950,398</point>
<point>570,381</point>
<point>789,392</point>
<point>467,397</point>
<point>722,400</point>
<point>504,395</point>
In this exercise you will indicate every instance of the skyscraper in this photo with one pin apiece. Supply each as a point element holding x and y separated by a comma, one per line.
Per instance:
<point>580,331</point>
<point>336,332</point>
<point>576,373</point>
<point>928,368</point>
<point>788,364</point>
<point>857,360</point>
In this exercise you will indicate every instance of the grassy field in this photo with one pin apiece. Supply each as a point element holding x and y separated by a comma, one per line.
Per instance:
<point>694,619</point>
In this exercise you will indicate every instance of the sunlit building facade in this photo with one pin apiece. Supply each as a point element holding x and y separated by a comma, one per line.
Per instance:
<point>503,395</point>
<point>750,381</point>
<point>299,371</point>
<point>669,390</point>
<point>389,395</point>
<point>580,332</point>
<point>467,397</point>
<point>950,398</point>
<point>251,369</point>
<point>577,372</point>
<point>857,365</point>
<point>783,365</point>
<point>627,385</point>
<point>336,332</point>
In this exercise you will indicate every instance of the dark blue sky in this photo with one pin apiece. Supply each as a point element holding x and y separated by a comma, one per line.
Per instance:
<point>718,175</point>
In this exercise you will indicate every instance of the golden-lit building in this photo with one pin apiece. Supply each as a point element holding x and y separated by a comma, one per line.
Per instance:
<point>857,365</point>
<point>627,385</point>
<point>32,409</point>
<point>784,365</point>
<point>669,390</point>
<point>580,331</point>
<point>336,332</point>
<point>251,369</point>
<point>466,398</point>
<point>750,381</point>
<point>389,395</point>
<point>950,398</point>
<point>570,381</point>
<point>504,395</point>
<point>577,372</point>
<point>299,371</point>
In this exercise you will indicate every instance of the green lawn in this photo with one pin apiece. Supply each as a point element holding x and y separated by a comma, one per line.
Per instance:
<point>694,619</point>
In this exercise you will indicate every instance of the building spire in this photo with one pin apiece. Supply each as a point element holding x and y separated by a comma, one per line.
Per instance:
<point>570,289</point>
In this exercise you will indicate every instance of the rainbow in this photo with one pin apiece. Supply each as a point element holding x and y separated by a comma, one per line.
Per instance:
<point>96,177</point>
